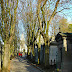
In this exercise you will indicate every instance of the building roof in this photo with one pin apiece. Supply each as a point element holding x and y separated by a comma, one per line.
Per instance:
<point>66,34</point>
<point>60,35</point>
<point>53,43</point>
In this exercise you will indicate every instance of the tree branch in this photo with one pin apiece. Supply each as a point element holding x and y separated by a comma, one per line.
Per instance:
<point>43,21</point>
<point>44,4</point>
<point>62,10</point>
<point>53,14</point>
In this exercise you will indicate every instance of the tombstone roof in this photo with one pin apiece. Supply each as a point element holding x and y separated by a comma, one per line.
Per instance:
<point>60,35</point>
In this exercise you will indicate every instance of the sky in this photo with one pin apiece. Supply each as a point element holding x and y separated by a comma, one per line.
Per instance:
<point>66,13</point>
<point>1,40</point>
<point>21,29</point>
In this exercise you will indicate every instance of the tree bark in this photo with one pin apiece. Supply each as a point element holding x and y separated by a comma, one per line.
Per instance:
<point>46,55</point>
<point>39,46</point>
<point>5,58</point>
<point>33,53</point>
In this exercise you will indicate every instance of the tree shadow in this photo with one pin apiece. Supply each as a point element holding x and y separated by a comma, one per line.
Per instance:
<point>26,65</point>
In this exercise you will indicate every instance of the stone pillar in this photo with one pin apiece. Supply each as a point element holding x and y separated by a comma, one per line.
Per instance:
<point>65,43</point>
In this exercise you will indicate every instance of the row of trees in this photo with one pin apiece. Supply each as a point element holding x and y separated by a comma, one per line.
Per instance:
<point>9,30</point>
<point>61,25</point>
<point>39,16</point>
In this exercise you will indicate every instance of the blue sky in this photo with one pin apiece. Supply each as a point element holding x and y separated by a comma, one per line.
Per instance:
<point>68,16</point>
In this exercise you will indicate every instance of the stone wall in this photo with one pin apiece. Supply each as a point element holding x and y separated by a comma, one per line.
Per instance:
<point>64,41</point>
<point>52,54</point>
<point>67,58</point>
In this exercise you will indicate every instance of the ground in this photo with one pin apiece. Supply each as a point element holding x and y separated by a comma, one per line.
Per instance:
<point>22,65</point>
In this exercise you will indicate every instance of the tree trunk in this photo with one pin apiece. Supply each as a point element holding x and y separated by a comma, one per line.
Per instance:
<point>39,53</point>
<point>46,55</point>
<point>33,53</point>
<point>5,58</point>
<point>28,52</point>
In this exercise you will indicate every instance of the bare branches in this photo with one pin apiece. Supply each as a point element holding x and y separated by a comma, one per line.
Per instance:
<point>44,4</point>
<point>53,14</point>
<point>43,13</point>
<point>62,10</point>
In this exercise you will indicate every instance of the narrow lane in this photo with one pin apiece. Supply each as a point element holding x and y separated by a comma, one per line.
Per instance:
<point>21,65</point>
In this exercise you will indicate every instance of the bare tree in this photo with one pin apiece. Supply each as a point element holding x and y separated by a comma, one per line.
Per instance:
<point>56,7</point>
<point>39,16</point>
<point>8,21</point>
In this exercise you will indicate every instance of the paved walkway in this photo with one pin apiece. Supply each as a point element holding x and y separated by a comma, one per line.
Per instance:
<point>21,65</point>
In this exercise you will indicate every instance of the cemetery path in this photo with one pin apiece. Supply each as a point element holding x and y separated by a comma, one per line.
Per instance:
<point>22,65</point>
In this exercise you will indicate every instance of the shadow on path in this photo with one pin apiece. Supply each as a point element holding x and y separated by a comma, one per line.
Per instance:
<point>21,64</point>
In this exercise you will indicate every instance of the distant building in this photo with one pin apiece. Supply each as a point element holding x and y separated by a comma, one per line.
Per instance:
<point>41,39</point>
<point>64,54</point>
<point>22,44</point>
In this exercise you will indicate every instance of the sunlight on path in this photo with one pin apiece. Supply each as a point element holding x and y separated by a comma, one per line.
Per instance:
<point>21,65</point>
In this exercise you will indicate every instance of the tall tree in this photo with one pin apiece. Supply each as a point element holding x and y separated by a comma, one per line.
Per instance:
<point>8,21</point>
<point>30,24</point>
<point>63,25</point>
<point>58,6</point>
<point>41,15</point>
<point>70,28</point>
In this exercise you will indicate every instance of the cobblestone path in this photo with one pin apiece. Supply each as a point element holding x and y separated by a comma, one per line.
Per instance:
<point>21,65</point>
